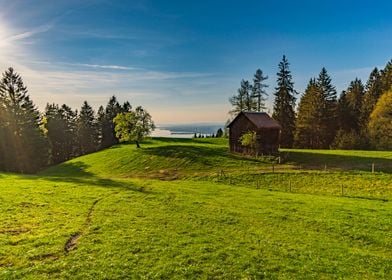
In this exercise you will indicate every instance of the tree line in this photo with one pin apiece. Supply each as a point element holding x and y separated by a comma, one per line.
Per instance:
<point>30,141</point>
<point>360,118</point>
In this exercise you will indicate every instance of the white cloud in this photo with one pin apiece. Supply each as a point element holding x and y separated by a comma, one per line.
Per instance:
<point>8,39</point>
<point>168,95</point>
<point>110,67</point>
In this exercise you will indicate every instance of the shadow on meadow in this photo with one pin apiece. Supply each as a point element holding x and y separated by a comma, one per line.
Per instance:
<point>201,155</point>
<point>315,160</point>
<point>76,172</point>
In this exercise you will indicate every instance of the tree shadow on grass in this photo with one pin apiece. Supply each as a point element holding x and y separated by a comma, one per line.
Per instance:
<point>203,155</point>
<point>76,172</point>
<point>315,160</point>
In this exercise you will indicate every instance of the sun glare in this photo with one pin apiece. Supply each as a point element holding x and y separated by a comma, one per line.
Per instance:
<point>5,33</point>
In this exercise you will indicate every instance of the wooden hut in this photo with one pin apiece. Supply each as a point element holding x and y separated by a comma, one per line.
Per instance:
<point>267,132</point>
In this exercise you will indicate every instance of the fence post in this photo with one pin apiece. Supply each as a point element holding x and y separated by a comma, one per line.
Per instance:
<point>372,167</point>
<point>325,167</point>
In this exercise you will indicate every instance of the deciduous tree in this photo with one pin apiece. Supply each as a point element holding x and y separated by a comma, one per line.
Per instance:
<point>133,125</point>
<point>380,123</point>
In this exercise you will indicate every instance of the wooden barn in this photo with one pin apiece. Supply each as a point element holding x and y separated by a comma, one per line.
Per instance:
<point>267,132</point>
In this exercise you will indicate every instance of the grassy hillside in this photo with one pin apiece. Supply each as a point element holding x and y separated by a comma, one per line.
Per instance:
<point>168,211</point>
<point>159,158</point>
<point>200,157</point>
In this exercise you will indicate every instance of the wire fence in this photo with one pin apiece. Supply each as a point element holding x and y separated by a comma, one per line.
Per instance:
<point>321,181</point>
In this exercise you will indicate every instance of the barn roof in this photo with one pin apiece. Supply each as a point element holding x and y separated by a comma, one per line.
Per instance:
<point>260,120</point>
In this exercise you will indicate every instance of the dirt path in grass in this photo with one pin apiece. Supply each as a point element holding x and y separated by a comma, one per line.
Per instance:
<point>73,239</point>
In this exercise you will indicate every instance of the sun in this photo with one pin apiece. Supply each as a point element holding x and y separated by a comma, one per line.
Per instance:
<point>5,33</point>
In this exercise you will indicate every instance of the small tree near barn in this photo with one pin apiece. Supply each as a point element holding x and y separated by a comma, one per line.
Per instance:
<point>249,140</point>
<point>265,131</point>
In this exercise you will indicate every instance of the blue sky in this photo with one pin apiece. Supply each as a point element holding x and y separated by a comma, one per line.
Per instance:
<point>182,60</point>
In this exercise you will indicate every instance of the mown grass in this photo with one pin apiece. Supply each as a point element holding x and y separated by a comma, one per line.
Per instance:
<point>179,219</point>
<point>341,159</point>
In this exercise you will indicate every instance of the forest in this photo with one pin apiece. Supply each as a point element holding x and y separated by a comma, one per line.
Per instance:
<point>359,118</point>
<point>31,141</point>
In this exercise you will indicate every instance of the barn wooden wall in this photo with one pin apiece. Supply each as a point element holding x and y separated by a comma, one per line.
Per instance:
<point>268,138</point>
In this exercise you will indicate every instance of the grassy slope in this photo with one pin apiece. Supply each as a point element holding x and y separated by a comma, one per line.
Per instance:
<point>196,226</point>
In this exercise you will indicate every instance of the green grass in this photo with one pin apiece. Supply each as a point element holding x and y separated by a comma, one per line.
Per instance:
<point>341,159</point>
<point>163,212</point>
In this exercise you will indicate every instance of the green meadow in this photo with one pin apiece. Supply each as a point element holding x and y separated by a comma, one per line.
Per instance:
<point>188,209</point>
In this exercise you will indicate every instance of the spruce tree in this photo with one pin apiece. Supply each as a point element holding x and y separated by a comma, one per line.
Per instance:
<point>23,145</point>
<point>87,129</point>
<point>242,101</point>
<point>126,107</point>
<point>354,96</point>
<point>284,103</point>
<point>101,125</point>
<point>108,137</point>
<point>344,113</point>
<point>373,91</point>
<point>329,112</point>
<point>71,134</point>
<point>308,122</point>
<point>259,95</point>
<point>61,132</point>
<point>55,127</point>
<point>386,77</point>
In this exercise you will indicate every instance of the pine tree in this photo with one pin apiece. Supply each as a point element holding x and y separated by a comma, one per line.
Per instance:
<point>354,96</point>
<point>55,127</point>
<point>22,143</point>
<point>87,129</point>
<point>308,123</point>
<point>126,107</point>
<point>284,103</point>
<point>61,132</point>
<point>329,112</point>
<point>259,94</point>
<point>71,134</point>
<point>386,77</point>
<point>344,113</point>
<point>105,120</point>
<point>374,89</point>
<point>101,125</point>
<point>242,101</point>
<point>249,102</point>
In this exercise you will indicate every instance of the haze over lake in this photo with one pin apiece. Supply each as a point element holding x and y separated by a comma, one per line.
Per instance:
<point>186,130</point>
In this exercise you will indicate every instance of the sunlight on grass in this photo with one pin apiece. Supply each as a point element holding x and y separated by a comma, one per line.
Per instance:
<point>123,223</point>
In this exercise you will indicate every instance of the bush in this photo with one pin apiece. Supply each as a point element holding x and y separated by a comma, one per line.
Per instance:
<point>349,140</point>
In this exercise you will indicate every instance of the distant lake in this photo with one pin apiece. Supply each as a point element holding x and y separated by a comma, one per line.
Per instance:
<point>186,130</point>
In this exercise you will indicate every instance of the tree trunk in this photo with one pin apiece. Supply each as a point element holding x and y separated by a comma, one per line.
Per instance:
<point>137,144</point>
